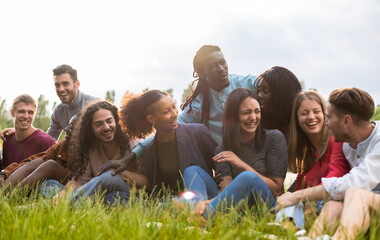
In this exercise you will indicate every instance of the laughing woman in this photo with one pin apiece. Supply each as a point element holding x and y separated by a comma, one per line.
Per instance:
<point>252,160</point>
<point>178,150</point>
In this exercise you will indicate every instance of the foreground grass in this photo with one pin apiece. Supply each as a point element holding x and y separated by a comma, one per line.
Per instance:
<point>31,217</point>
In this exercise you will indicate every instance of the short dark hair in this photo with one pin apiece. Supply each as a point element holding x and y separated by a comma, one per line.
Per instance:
<point>64,68</point>
<point>353,101</point>
<point>24,98</point>
<point>231,128</point>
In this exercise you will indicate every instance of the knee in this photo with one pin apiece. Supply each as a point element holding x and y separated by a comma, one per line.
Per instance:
<point>37,162</point>
<point>192,170</point>
<point>332,210</point>
<point>248,176</point>
<point>108,178</point>
<point>48,165</point>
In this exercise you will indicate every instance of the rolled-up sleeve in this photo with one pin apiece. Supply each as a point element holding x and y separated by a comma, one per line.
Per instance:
<point>365,175</point>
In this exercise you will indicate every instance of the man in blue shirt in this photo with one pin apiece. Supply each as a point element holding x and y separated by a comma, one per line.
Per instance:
<point>206,103</point>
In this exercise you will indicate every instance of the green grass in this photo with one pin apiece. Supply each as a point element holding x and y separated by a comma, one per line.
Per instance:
<point>32,217</point>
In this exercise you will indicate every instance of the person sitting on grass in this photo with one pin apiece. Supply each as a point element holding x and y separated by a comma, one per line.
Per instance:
<point>50,164</point>
<point>277,87</point>
<point>206,102</point>
<point>252,160</point>
<point>27,139</point>
<point>349,115</point>
<point>313,153</point>
<point>97,139</point>
<point>177,151</point>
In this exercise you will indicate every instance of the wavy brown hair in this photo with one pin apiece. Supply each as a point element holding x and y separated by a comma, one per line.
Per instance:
<point>134,111</point>
<point>83,136</point>
<point>301,150</point>
<point>201,84</point>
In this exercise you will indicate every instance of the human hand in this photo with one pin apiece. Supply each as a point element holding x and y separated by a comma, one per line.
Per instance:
<point>230,157</point>
<point>218,178</point>
<point>112,164</point>
<point>7,132</point>
<point>285,200</point>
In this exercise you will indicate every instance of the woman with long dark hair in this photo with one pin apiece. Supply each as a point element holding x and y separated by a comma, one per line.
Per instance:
<point>252,160</point>
<point>277,87</point>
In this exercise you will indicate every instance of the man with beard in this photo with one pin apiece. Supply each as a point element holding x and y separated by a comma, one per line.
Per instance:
<point>96,139</point>
<point>349,117</point>
<point>72,100</point>
<point>66,85</point>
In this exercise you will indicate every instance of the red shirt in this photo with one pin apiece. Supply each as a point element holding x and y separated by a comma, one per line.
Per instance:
<point>334,164</point>
<point>16,151</point>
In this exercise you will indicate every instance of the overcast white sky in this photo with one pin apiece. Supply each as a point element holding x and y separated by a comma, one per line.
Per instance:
<point>131,45</point>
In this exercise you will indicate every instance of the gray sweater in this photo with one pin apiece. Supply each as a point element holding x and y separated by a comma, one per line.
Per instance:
<point>63,113</point>
<point>270,161</point>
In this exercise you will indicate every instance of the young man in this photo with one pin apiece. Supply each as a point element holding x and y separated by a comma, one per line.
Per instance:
<point>206,103</point>
<point>50,164</point>
<point>348,116</point>
<point>98,139</point>
<point>66,85</point>
<point>27,140</point>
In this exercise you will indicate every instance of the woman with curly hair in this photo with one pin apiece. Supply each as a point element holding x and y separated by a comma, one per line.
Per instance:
<point>177,151</point>
<point>97,139</point>
<point>277,87</point>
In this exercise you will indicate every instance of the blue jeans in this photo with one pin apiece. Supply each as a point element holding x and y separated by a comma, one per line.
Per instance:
<point>49,188</point>
<point>198,181</point>
<point>246,185</point>
<point>116,189</point>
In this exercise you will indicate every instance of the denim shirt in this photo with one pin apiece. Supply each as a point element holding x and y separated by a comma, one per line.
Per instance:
<point>217,100</point>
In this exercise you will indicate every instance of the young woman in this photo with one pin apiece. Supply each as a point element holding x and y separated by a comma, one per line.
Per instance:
<point>277,87</point>
<point>313,153</point>
<point>252,160</point>
<point>178,150</point>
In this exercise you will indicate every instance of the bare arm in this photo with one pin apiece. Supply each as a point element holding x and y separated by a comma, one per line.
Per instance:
<point>317,193</point>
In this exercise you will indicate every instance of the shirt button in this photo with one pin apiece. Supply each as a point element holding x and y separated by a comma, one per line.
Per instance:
<point>358,156</point>
<point>59,155</point>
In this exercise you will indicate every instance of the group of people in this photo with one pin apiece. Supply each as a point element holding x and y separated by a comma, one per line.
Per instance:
<point>234,140</point>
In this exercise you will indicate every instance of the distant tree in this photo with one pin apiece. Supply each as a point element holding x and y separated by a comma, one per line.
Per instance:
<point>186,93</point>
<point>376,115</point>
<point>145,90</point>
<point>5,119</point>
<point>110,96</point>
<point>42,119</point>
<point>303,85</point>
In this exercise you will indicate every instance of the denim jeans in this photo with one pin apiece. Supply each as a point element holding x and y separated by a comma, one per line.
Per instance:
<point>247,185</point>
<point>199,182</point>
<point>116,189</point>
<point>49,188</point>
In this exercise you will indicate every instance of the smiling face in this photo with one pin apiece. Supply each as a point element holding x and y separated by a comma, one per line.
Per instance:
<point>215,70</point>
<point>264,92</point>
<point>23,115</point>
<point>249,118</point>
<point>335,124</point>
<point>164,114</point>
<point>311,117</point>
<point>66,88</point>
<point>104,125</point>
